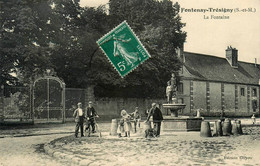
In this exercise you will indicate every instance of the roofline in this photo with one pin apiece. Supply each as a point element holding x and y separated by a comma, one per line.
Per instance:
<point>217,57</point>
<point>217,81</point>
<point>203,54</point>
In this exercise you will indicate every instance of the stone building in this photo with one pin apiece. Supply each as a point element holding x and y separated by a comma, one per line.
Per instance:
<point>210,84</point>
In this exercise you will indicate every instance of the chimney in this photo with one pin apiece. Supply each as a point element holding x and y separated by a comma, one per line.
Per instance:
<point>180,53</point>
<point>255,62</point>
<point>231,56</point>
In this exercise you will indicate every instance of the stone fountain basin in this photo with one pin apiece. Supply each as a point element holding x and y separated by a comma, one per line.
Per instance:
<point>174,106</point>
<point>175,123</point>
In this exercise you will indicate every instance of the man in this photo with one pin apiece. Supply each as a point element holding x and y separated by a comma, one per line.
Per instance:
<point>137,117</point>
<point>79,119</point>
<point>90,115</point>
<point>157,119</point>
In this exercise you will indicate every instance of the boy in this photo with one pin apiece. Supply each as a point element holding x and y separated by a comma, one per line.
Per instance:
<point>137,118</point>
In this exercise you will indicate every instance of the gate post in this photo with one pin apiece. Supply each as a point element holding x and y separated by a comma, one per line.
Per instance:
<point>32,102</point>
<point>63,103</point>
<point>2,103</point>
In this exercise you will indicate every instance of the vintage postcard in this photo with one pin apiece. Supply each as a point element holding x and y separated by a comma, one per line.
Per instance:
<point>129,82</point>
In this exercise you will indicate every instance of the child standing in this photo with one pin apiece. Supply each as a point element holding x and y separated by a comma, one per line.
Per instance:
<point>253,119</point>
<point>127,122</point>
<point>137,118</point>
<point>120,129</point>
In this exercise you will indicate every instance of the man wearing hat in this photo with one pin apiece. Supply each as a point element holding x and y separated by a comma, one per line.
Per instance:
<point>157,118</point>
<point>90,115</point>
<point>79,119</point>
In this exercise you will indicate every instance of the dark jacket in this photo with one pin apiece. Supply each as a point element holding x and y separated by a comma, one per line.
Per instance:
<point>91,112</point>
<point>156,113</point>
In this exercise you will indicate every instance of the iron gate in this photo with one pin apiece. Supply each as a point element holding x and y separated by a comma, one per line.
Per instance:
<point>48,99</point>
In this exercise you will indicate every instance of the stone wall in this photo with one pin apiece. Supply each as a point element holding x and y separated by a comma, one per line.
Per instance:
<point>229,93</point>
<point>207,97</point>
<point>211,97</point>
<point>186,96</point>
<point>215,96</point>
<point>199,95</point>
<point>109,108</point>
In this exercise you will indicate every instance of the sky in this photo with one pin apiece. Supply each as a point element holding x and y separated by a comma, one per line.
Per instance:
<point>240,29</point>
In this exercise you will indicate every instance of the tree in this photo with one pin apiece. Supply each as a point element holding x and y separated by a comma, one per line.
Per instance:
<point>36,35</point>
<point>74,45</point>
<point>159,27</point>
<point>62,35</point>
<point>24,47</point>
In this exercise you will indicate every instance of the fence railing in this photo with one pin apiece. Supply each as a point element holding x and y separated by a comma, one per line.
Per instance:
<point>16,104</point>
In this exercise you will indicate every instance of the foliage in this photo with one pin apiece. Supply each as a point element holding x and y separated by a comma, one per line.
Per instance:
<point>18,106</point>
<point>23,45</point>
<point>41,34</point>
<point>73,53</point>
<point>159,27</point>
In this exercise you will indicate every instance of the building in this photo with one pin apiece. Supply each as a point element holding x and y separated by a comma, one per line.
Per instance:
<point>210,84</point>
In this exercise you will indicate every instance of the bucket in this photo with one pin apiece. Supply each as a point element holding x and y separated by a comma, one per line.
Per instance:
<point>147,125</point>
<point>205,129</point>
<point>218,128</point>
<point>227,127</point>
<point>234,128</point>
<point>114,126</point>
<point>214,132</point>
<point>198,114</point>
<point>239,126</point>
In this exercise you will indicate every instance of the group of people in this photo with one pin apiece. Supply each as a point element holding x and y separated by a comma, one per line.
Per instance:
<point>86,116</point>
<point>124,126</point>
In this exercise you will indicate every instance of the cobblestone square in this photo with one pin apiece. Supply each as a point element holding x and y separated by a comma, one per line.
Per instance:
<point>46,147</point>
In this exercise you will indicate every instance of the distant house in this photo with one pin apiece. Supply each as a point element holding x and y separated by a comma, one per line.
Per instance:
<point>210,84</point>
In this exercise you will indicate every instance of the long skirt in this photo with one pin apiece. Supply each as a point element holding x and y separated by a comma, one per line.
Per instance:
<point>127,126</point>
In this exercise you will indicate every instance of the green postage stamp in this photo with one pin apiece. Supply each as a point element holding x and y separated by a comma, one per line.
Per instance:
<point>123,49</point>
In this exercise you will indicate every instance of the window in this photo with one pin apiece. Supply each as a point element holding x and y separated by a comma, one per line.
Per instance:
<point>242,91</point>
<point>254,94</point>
<point>180,88</point>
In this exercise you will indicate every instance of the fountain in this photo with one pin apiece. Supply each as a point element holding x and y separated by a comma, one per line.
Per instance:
<point>174,122</point>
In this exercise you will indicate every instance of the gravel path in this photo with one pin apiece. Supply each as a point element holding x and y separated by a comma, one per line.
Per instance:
<point>183,148</point>
<point>26,151</point>
<point>178,148</point>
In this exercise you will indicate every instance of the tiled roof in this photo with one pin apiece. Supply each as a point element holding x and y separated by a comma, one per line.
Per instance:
<point>211,68</point>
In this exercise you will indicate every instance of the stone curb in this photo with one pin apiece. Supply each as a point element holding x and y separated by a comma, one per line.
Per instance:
<point>77,160</point>
<point>29,135</point>
<point>68,156</point>
<point>61,155</point>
